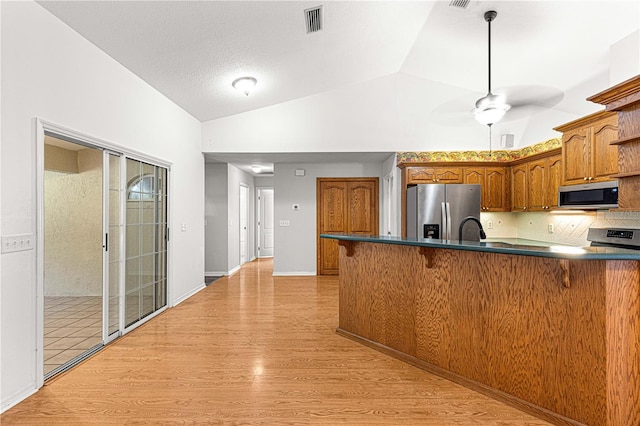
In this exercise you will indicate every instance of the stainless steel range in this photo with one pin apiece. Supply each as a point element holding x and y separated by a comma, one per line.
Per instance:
<point>628,238</point>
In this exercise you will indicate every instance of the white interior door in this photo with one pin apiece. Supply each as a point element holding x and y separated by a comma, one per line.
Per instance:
<point>244,196</point>
<point>265,222</point>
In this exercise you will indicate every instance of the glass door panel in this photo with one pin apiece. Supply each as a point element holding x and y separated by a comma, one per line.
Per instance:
<point>146,251</point>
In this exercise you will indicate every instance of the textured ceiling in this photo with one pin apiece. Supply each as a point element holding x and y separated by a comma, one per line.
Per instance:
<point>192,51</point>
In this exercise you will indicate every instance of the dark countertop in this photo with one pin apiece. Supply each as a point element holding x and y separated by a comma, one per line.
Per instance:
<point>515,246</point>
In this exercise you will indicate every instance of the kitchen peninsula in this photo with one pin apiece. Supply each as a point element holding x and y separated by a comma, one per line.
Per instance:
<point>555,332</point>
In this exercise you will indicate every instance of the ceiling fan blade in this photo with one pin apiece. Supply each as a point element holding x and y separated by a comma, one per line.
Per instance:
<point>456,112</point>
<point>542,96</point>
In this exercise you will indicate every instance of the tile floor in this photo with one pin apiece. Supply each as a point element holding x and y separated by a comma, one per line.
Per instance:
<point>72,325</point>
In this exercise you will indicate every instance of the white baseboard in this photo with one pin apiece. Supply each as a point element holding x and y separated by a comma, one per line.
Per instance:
<point>294,274</point>
<point>215,273</point>
<point>233,271</point>
<point>17,398</point>
<point>184,297</point>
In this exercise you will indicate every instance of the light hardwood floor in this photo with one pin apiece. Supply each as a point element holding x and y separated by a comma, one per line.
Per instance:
<point>254,349</point>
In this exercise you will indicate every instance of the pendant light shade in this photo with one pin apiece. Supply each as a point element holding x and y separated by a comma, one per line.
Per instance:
<point>491,108</point>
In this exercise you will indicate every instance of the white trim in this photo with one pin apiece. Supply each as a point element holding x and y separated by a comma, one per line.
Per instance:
<point>215,273</point>
<point>38,208</point>
<point>188,295</point>
<point>102,143</point>
<point>18,397</point>
<point>294,274</point>
<point>233,271</point>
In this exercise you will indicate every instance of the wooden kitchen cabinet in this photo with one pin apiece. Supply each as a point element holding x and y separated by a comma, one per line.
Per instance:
<point>495,187</point>
<point>544,178</point>
<point>519,177</point>
<point>416,175</point>
<point>587,155</point>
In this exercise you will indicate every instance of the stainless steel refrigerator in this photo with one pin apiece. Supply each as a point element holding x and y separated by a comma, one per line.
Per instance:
<point>435,211</point>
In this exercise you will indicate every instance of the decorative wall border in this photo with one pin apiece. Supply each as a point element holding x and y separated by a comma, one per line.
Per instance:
<point>503,156</point>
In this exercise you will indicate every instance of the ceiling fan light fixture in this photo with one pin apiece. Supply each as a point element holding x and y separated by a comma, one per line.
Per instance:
<point>490,109</point>
<point>490,116</point>
<point>244,84</point>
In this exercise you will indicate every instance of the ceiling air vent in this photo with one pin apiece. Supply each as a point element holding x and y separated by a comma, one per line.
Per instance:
<point>462,4</point>
<point>313,18</point>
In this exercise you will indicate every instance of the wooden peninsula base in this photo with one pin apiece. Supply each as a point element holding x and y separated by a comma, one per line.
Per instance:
<point>558,338</point>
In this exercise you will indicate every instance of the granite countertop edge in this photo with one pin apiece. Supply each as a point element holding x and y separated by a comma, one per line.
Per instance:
<point>513,246</point>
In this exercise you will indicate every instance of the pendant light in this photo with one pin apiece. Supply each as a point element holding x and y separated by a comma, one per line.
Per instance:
<point>491,108</point>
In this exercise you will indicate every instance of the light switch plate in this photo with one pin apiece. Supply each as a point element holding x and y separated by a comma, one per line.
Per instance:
<point>284,223</point>
<point>21,242</point>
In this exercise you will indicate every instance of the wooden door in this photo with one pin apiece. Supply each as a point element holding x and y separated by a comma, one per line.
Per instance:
<point>519,188</point>
<point>604,157</point>
<point>575,156</point>
<point>344,205</point>
<point>537,181</point>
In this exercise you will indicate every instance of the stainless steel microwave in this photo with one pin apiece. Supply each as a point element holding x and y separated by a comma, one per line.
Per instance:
<point>591,196</point>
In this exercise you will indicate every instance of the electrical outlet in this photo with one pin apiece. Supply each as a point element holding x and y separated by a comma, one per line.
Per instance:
<point>22,242</point>
<point>550,228</point>
<point>490,224</point>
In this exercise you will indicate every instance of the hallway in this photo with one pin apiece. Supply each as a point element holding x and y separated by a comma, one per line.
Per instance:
<point>254,349</point>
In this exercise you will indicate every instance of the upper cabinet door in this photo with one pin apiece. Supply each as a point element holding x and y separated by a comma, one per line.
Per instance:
<point>576,155</point>
<point>604,157</point>
<point>496,190</point>
<point>537,184</point>
<point>519,188</point>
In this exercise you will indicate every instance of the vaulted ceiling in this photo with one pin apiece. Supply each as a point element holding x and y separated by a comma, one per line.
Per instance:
<point>191,51</point>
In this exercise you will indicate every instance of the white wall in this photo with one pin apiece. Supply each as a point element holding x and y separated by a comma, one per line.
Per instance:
<point>295,245</point>
<point>392,113</point>
<point>625,59</point>
<point>216,217</point>
<point>49,71</point>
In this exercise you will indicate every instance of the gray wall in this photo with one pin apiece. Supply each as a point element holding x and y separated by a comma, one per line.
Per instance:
<point>216,212</point>
<point>295,245</point>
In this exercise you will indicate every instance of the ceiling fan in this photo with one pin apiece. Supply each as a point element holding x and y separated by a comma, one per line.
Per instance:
<point>506,104</point>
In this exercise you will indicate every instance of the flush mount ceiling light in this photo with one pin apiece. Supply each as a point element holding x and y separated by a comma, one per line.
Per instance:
<point>244,84</point>
<point>256,168</point>
<point>491,108</point>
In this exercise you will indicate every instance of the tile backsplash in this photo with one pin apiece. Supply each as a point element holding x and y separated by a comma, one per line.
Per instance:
<point>561,227</point>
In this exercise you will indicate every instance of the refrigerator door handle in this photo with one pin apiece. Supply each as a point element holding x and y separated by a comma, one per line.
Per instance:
<point>448,221</point>
<point>445,215</point>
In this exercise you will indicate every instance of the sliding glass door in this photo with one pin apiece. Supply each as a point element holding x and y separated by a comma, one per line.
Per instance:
<point>102,246</point>
<point>146,241</point>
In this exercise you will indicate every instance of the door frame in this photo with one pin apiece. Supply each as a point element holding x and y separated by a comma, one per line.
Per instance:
<point>40,126</point>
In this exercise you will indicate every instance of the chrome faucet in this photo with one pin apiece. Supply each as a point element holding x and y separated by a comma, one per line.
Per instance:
<point>474,219</point>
